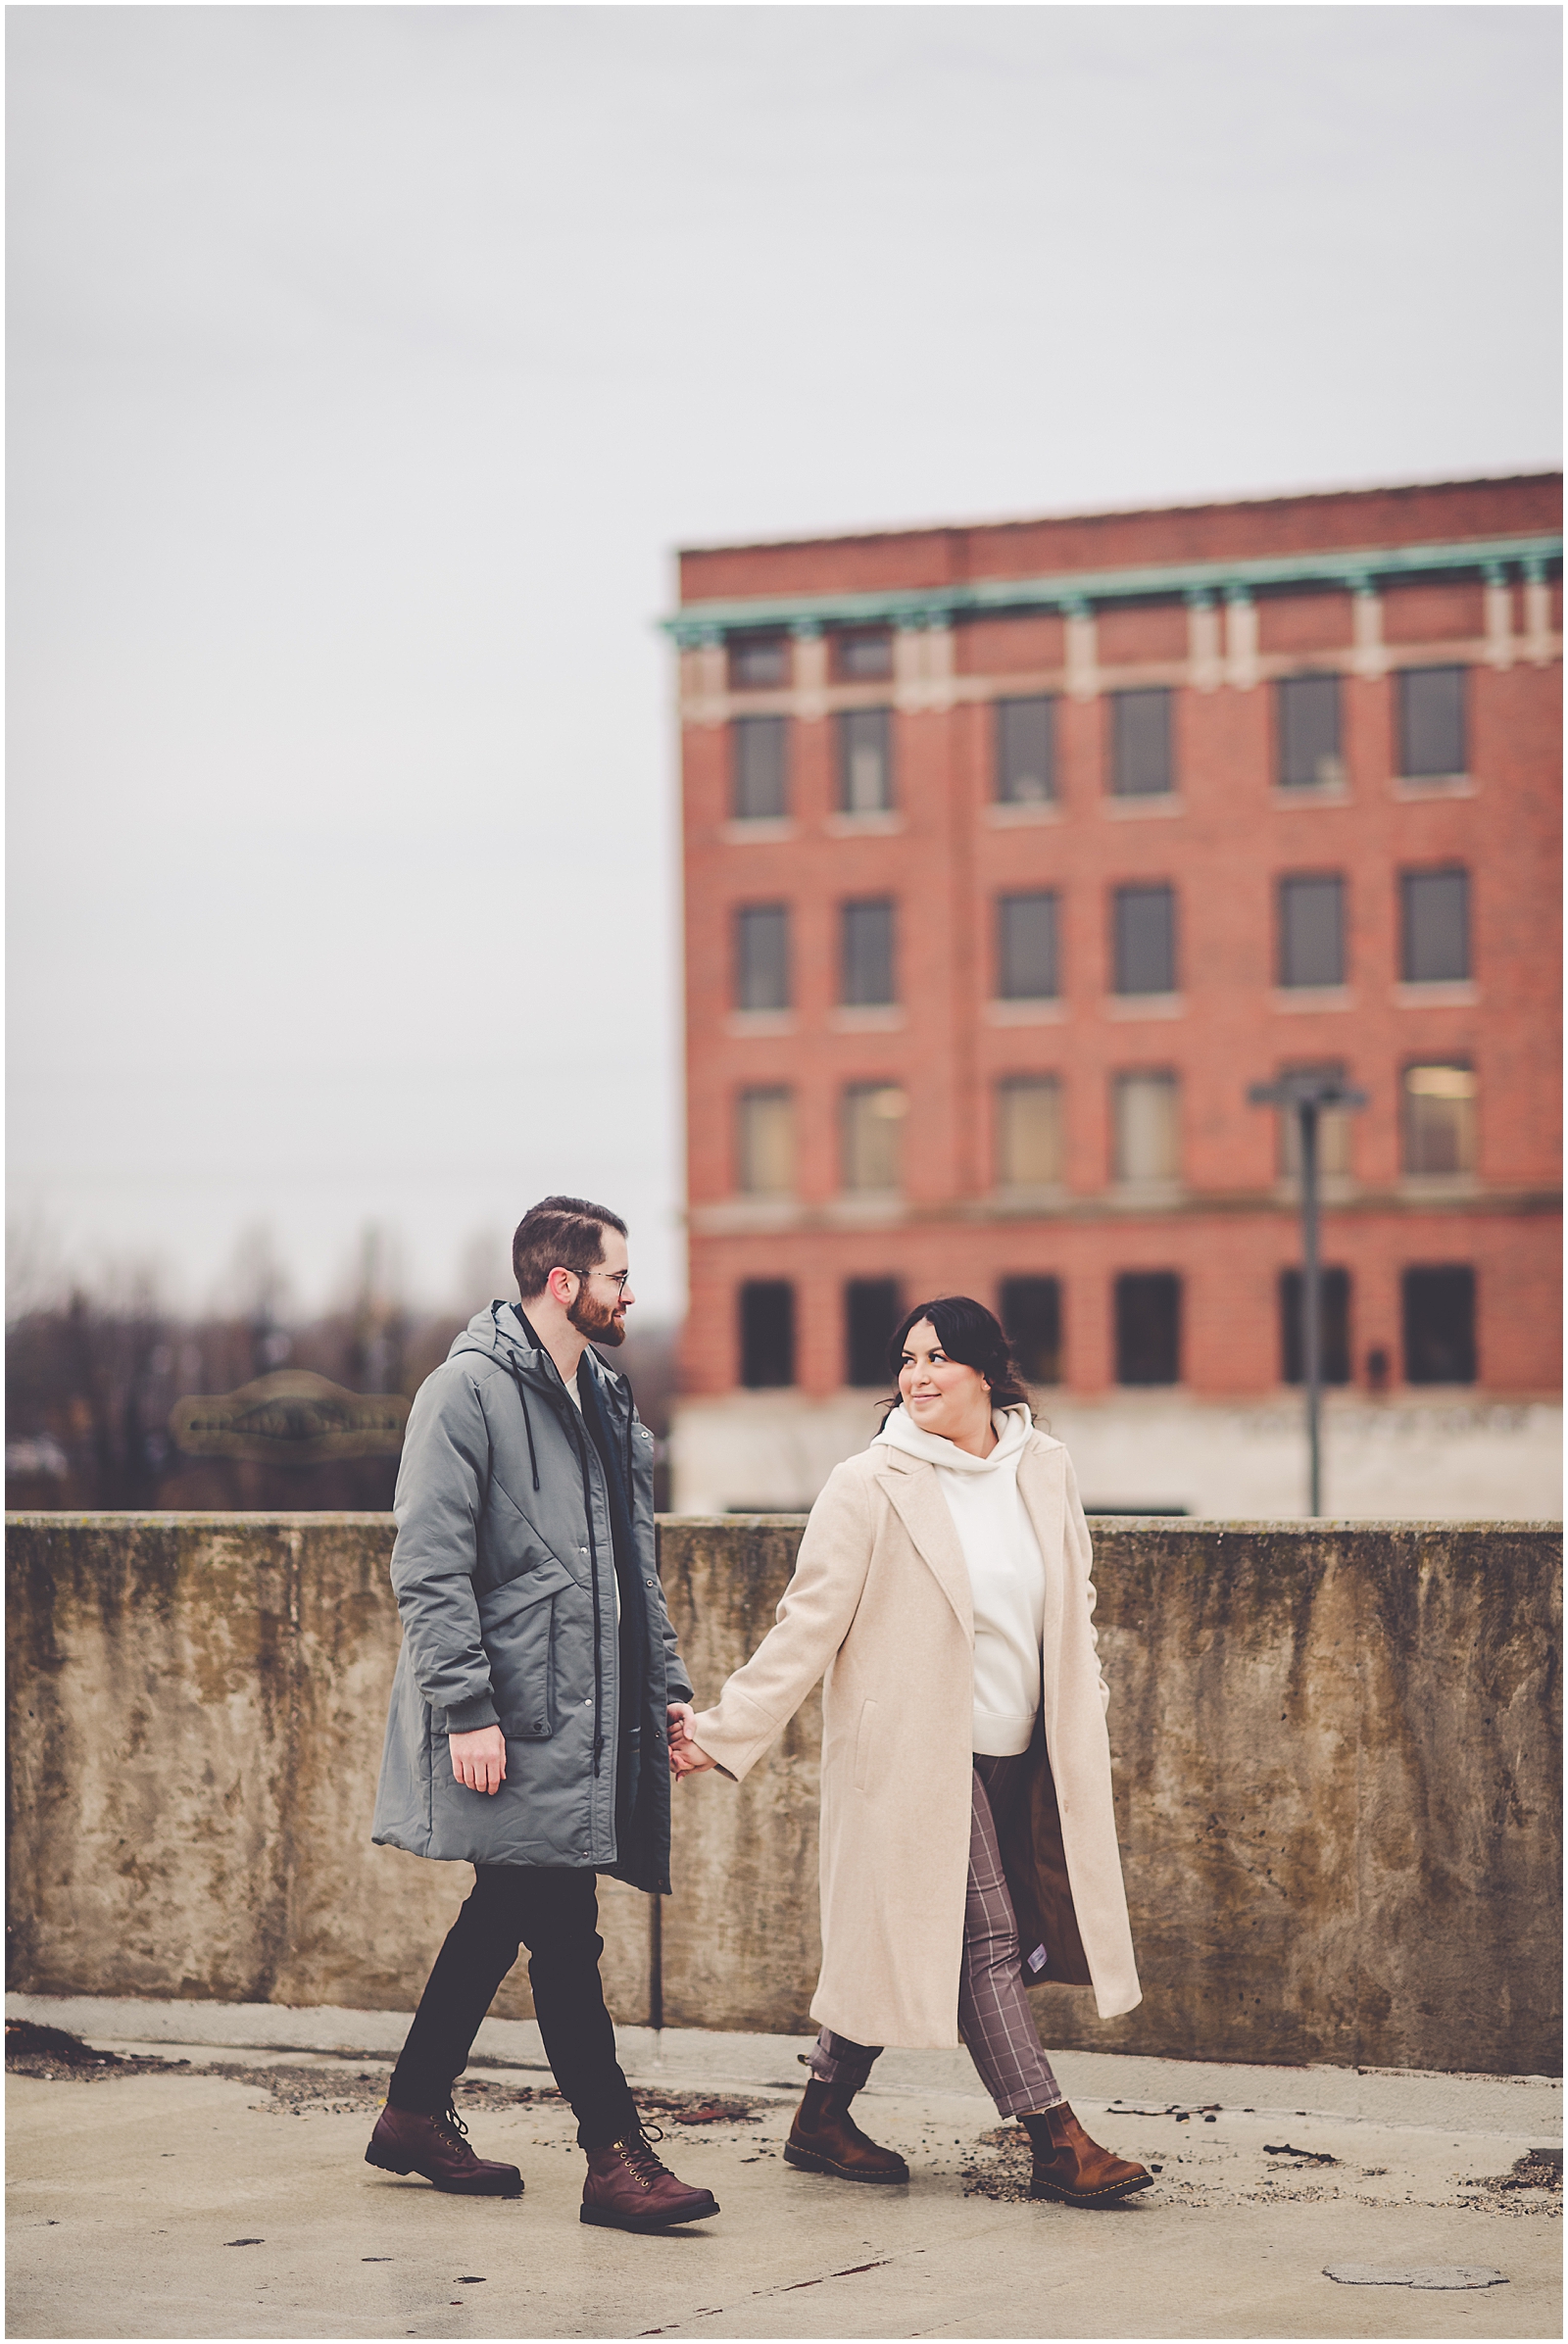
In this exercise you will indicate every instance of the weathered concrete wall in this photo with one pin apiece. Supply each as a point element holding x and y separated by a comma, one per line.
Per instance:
<point>1336,1752</point>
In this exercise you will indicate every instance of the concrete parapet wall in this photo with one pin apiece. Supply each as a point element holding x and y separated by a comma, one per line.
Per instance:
<point>1335,1755</point>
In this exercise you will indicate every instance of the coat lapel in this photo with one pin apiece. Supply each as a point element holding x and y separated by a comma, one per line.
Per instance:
<point>922,1509</point>
<point>1043,1486</point>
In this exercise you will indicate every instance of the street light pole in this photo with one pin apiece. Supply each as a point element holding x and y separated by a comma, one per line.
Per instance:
<point>1311,1303</point>
<point>1305,1096</point>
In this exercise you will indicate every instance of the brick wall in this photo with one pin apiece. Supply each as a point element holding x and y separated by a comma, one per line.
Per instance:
<point>1223,839</point>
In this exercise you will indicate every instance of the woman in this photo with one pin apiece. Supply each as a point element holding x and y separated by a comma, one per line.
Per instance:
<point>968,1842</point>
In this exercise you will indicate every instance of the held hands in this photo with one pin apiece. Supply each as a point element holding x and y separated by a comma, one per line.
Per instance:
<point>685,1757</point>
<point>479,1759</point>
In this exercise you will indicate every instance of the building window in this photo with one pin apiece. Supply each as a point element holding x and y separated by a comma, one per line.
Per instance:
<point>1440,1119</point>
<point>767,1334</point>
<point>1149,1327</point>
<point>1332,1327</point>
<point>1431,727</point>
<point>872,1121</point>
<point>861,656</point>
<point>758,769</point>
<point>1029,1132</point>
<point>870,1314</point>
<point>1148,1139</point>
<point>765,1142</point>
<point>1308,723</point>
<point>1439,1325</point>
<point>865,954</point>
<point>1312,931</point>
<point>759,662</point>
<point>866,761</point>
<point>1434,927</point>
<point>1140,744</point>
<point>1333,1129</point>
<point>1026,948</point>
<point>1026,751</point>
<point>1143,938</point>
<point>1031,1319</point>
<point>763,956</point>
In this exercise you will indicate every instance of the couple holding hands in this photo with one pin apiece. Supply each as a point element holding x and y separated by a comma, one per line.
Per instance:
<point>540,1712</point>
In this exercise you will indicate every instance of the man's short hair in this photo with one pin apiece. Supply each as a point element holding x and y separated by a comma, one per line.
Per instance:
<point>560,1233</point>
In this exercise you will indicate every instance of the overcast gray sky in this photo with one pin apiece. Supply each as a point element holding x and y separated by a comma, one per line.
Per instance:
<point>368,363</point>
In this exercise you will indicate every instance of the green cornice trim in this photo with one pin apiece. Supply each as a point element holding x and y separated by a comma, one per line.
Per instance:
<point>1358,570</point>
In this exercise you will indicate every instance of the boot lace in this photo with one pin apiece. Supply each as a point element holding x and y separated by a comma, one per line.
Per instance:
<point>450,2121</point>
<point>637,2153</point>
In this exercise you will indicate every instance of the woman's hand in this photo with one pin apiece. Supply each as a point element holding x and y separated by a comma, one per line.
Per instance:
<point>685,1758</point>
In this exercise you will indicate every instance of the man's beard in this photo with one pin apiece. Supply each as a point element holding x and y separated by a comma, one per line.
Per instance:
<point>599,1323</point>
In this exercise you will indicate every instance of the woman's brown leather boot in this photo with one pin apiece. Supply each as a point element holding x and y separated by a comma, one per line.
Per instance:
<point>825,2138</point>
<point>1074,2170</point>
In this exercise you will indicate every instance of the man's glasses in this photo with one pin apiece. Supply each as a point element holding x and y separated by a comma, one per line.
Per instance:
<point>618,1276</point>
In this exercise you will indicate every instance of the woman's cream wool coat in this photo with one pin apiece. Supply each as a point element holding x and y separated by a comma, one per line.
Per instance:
<point>880,1602</point>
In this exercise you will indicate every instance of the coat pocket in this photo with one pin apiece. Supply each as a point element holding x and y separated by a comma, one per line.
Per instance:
<point>517,1622</point>
<point>864,1740</point>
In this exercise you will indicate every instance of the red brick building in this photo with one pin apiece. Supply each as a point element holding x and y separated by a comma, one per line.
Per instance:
<point>1013,854</point>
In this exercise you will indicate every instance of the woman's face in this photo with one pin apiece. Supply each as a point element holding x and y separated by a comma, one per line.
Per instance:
<point>940,1393</point>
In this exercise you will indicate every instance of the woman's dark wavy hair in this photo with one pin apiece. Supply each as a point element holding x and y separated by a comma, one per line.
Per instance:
<point>970,1333</point>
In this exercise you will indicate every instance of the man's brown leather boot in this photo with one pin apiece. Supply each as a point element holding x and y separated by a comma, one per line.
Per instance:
<point>405,2143</point>
<point>825,2138</point>
<point>1074,2170</point>
<point>628,2189</point>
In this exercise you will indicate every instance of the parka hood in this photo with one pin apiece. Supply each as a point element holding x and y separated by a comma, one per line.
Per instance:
<point>498,1332</point>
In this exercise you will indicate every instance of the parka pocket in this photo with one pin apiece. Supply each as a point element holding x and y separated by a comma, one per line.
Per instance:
<point>864,1737</point>
<point>517,1622</point>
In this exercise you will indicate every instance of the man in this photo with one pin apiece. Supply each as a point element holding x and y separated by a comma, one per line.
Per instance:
<point>535,1692</point>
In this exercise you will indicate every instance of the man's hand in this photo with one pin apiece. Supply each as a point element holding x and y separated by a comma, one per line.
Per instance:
<point>685,1758</point>
<point>479,1759</point>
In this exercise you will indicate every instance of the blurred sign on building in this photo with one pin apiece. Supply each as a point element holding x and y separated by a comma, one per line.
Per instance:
<point>290,1418</point>
<point>1014,855</point>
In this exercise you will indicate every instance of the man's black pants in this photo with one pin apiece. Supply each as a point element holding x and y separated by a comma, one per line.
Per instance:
<point>556,1915</point>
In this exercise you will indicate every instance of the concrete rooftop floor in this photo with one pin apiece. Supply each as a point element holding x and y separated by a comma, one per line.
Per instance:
<point>131,2196</point>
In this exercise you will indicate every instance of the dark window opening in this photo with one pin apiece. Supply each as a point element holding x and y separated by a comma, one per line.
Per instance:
<point>1435,924</point>
<point>866,761</point>
<point>1026,948</point>
<point>1149,1327</point>
<point>1026,751</point>
<point>1307,719</point>
<point>1140,744</point>
<point>870,1314</point>
<point>865,954</point>
<point>1312,931</point>
<point>1334,1327</point>
<point>1439,1325</point>
<point>758,769</point>
<point>1144,941</point>
<point>859,658</point>
<point>767,1334</point>
<point>1431,726</point>
<point>763,956</point>
<point>759,662</point>
<point>1031,1318</point>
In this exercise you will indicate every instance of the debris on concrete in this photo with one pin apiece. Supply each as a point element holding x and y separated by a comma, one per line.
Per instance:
<point>1307,2155</point>
<point>54,2055</point>
<point>1443,2275</point>
<point>1537,2168</point>
<point>1181,2110</point>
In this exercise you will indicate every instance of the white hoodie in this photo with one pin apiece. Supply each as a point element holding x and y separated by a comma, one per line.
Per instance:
<point>1006,1570</point>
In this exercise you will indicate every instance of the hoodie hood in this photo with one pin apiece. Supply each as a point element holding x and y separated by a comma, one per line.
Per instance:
<point>499,1332</point>
<point>1012,1428</point>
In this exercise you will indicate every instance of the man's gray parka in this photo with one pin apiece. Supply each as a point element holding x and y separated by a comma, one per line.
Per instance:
<point>504,1570</point>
